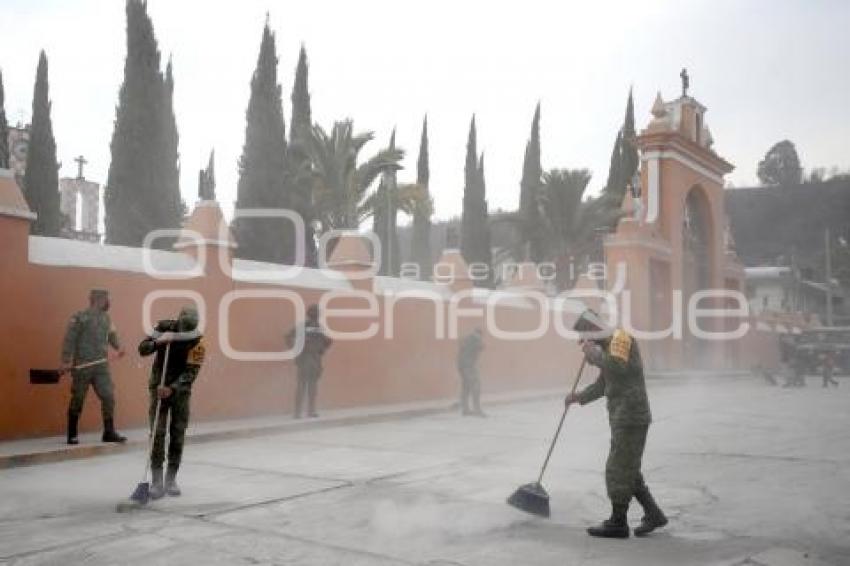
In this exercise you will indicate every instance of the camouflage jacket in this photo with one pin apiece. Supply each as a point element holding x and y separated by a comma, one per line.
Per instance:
<point>470,349</point>
<point>316,343</point>
<point>184,362</point>
<point>621,382</point>
<point>88,336</point>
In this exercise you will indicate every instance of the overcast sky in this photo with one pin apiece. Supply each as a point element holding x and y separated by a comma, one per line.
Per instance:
<point>766,70</point>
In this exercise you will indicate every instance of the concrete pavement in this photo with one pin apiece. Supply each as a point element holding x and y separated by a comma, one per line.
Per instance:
<point>750,475</point>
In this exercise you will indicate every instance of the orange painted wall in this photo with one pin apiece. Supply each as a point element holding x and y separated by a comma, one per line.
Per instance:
<point>37,301</point>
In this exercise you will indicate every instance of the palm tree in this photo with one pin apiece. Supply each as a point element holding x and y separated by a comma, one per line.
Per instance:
<point>383,205</point>
<point>340,184</point>
<point>572,224</point>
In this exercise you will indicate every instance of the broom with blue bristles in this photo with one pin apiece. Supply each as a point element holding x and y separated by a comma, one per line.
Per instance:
<point>142,494</point>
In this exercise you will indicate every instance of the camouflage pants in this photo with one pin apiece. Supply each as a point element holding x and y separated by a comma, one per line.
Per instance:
<point>622,470</point>
<point>177,408</point>
<point>470,389</point>
<point>308,381</point>
<point>98,377</point>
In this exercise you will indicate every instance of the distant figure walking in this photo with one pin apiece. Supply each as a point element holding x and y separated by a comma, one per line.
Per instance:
<point>828,369</point>
<point>309,360</point>
<point>797,374</point>
<point>467,366</point>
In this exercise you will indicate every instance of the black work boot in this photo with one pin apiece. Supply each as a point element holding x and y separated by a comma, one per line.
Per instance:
<point>157,489</point>
<point>73,420</point>
<point>109,434</point>
<point>653,516</point>
<point>171,487</point>
<point>615,527</point>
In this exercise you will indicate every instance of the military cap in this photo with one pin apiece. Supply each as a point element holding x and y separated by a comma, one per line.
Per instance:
<point>98,294</point>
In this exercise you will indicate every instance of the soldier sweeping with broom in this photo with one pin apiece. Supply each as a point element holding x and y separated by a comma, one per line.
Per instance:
<point>179,350</point>
<point>621,381</point>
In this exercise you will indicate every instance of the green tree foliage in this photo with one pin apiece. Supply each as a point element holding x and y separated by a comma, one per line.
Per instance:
<point>615,174</point>
<point>780,166</point>
<point>384,209</point>
<point>142,190</point>
<point>340,183</point>
<point>206,180</point>
<point>299,169</point>
<point>624,158</point>
<point>41,179</point>
<point>4,129</point>
<point>262,166</point>
<point>529,199</point>
<point>420,247</point>
<point>572,222</point>
<point>475,228</point>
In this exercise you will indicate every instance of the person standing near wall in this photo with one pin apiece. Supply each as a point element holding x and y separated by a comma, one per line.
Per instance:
<point>85,349</point>
<point>172,394</point>
<point>309,360</point>
<point>621,381</point>
<point>467,365</point>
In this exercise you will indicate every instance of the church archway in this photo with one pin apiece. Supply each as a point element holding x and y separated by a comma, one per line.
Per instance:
<point>697,242</point>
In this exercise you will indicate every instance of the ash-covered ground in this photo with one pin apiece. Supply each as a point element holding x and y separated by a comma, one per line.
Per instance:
<point>748,474</point>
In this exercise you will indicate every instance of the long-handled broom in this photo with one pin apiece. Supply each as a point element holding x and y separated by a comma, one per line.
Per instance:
<point>142,494</point>
<point>531,497</point>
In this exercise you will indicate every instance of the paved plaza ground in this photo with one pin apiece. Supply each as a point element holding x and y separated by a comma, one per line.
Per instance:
<point>749,475</point>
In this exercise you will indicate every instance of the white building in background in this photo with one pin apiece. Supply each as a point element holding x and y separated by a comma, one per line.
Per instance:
<point>79,195</point>
<point>782,289</point>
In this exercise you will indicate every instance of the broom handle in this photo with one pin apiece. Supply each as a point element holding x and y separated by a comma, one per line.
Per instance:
<point>561,423</point>
<point>151,432</point>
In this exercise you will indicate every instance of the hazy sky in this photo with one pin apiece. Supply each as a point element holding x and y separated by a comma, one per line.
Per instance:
<point>766,70</point>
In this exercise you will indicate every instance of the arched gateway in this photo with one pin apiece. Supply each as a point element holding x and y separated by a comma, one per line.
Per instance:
<point>674,246</point>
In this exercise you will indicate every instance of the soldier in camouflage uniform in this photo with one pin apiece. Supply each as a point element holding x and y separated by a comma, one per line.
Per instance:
<point>309,360</point>
<point>470,384</point>
<point>185,356</point>
<point>621,381</point>
<point>89,334</point>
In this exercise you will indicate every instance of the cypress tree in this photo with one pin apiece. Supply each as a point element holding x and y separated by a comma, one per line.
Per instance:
<point>529,212</point>
<point>483,226</point>
<point>624,158</point>
<point>612,190</point>
<point>4,129</point>
<point>299,177</point>
<point>420,246</point>
<point>302,123</point>
<point>142,189</point>
<point>475,232</point>
<point>171,207</point>
<point>41,179</point>
<point>385,219</point>
<point>262,166</point>
<point>629,147</point>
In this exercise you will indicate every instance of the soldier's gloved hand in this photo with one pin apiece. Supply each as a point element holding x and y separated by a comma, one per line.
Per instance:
<point>163,392</point>
<point>593,353</point>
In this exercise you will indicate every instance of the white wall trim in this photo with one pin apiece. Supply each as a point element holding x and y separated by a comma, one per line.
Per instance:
<point>636,242</point>
<point>17,213</point>
<point>677,155</point>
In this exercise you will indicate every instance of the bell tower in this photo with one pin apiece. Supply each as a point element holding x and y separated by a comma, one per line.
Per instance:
<point>674,246</point>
